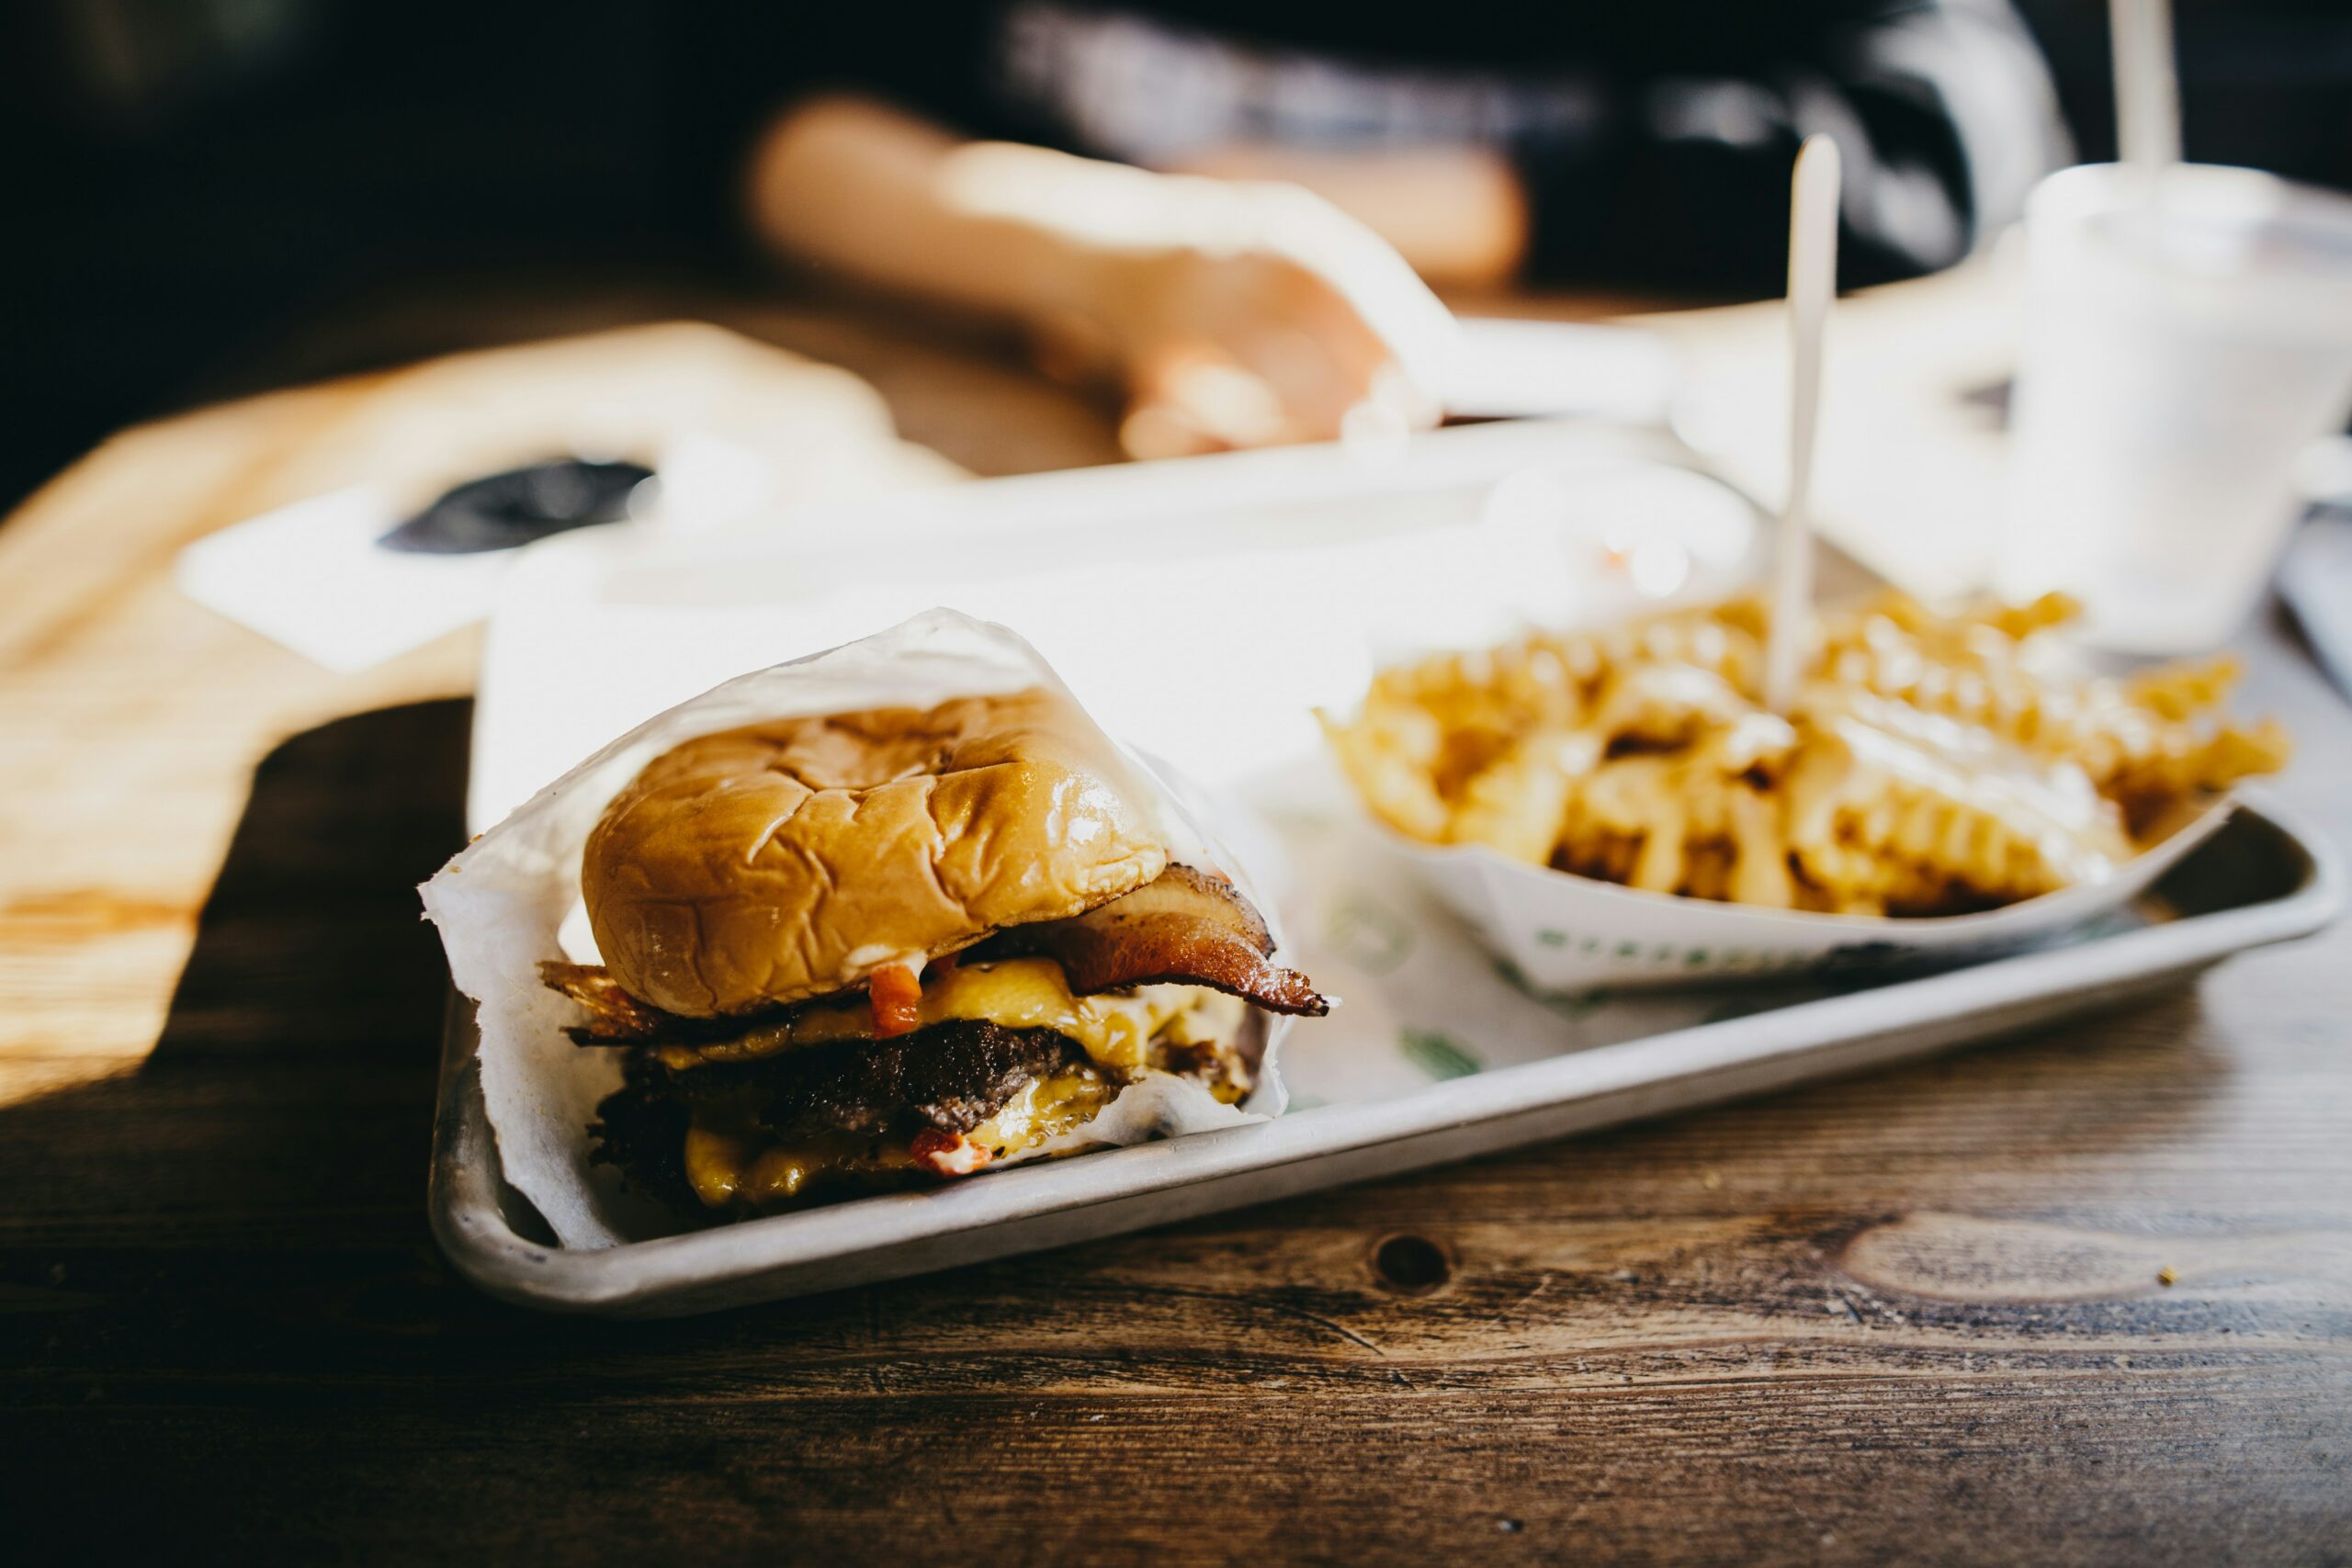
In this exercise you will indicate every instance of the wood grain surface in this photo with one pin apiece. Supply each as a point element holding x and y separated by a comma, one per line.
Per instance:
<point>1914,1317</point>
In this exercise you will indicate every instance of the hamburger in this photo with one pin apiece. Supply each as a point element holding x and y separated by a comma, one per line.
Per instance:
<point>897,946</point>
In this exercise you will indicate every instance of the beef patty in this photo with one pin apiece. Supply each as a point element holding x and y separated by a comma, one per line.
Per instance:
<point>951,1077</point>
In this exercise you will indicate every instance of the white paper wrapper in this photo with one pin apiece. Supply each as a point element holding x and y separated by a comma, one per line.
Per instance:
<point>1567,933</point>
<point>501,903</point>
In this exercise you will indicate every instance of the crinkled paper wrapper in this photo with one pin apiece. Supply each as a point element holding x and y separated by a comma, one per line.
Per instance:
<point>502,903</point>
<point>1567,934</point>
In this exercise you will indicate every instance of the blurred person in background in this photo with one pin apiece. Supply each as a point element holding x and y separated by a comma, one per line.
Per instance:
<point>1222,208</point>
<point>191,177</point>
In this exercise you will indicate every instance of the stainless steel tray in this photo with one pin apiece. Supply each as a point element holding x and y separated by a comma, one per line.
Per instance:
<point>594,646</point>
<point>2262,879</point>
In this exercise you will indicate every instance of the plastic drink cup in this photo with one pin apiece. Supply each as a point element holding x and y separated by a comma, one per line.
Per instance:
<point>2187,334</point>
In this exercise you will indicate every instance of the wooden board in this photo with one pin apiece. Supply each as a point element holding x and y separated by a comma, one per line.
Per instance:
<point>1919,1316</point>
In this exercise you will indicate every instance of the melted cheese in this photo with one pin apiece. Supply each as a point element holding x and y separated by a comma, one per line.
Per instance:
<point>730,1165</point>
<point>1044,1109</point>
<point>729,1162</point>
<point>1115,1031</point>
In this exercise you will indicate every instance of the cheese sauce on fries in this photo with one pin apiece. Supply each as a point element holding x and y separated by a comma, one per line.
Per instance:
<point>1932,764</point>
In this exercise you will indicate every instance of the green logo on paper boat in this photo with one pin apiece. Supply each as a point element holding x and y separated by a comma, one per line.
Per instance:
<point>1437,1055</point>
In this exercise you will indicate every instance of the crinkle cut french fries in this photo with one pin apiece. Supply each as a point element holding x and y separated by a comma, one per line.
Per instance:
<point>1933,764</point>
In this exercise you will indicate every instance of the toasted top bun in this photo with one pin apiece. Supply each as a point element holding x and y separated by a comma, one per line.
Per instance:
<point>791,859</point>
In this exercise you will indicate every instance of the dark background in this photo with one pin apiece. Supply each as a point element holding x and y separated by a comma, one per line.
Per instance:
<point>189,179</point>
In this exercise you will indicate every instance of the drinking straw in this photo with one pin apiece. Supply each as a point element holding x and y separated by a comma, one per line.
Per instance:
<point>1812,284</point>
<point>2147,90</point>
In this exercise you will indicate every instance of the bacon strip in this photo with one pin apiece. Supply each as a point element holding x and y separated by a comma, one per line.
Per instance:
<point>1185,928</point>
<point>614,1018</point>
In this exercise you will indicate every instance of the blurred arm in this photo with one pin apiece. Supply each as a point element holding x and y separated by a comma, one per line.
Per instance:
<point>1234,312</point>
<point>851,187</point>
<point>1458,214</point>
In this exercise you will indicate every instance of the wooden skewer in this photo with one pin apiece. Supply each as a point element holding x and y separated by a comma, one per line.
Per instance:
<point>1813,285</point>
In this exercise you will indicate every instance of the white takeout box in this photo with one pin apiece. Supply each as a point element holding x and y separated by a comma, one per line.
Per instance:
<point>1566,933</point>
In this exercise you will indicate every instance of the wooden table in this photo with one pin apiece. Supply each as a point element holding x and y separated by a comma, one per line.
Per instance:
<point>1915,1316</point>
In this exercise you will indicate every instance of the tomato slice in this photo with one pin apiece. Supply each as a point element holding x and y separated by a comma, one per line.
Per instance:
<point>896,995</point>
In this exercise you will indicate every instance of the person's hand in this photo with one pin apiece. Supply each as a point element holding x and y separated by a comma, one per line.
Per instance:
<point>1255,314</point>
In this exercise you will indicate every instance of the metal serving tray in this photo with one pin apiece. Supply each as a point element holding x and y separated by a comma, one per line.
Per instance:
<point>2261,879</point>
